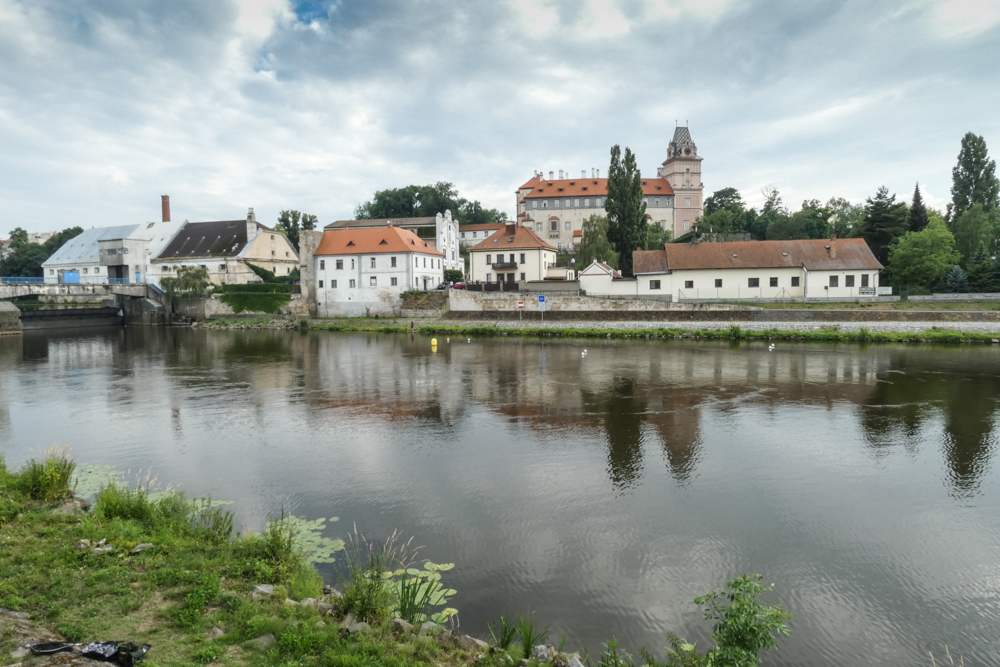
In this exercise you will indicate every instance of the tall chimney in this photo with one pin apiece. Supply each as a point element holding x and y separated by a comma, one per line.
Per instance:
<point>583,173</point>
<point>165,207</point>
<point>560,174</point>
<point>251,225</point>
<point>550,174</point>
<point>598,173</point>
<point>833,246</point>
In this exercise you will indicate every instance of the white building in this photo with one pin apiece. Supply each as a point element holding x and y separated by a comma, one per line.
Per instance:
<point>80,259</point>
<point>439,232</point>
<point>555,207</point>
<point>744,270</point>
<point>359,272</point>
<point>512,254</point>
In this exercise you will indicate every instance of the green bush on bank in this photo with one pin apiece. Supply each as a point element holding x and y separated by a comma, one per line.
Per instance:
<point>256,301</point>
<point>285,288</point>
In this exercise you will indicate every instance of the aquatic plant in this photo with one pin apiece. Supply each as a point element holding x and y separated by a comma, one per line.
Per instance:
<point>529,635</point>
<point>503,633</point>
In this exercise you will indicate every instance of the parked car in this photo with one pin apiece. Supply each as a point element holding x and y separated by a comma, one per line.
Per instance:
<point>458,286</point>
<point>442,286</point>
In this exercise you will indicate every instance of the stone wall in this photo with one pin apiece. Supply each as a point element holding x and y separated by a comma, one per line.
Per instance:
<point>463,303</point>
<point>10,318</point>
<point>981,296</point>
<point>211,308</point>
<point>308,242</point>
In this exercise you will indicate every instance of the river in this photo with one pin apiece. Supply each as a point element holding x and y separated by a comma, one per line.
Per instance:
<point>603,491</point>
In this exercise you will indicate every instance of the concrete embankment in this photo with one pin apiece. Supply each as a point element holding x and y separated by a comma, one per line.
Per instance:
<point>915,326</point>
<point>766,318</point>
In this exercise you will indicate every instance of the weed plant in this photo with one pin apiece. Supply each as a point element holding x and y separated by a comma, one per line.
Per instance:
<point>504,633</point>
<point>530,636</point>
<point>48,480</point>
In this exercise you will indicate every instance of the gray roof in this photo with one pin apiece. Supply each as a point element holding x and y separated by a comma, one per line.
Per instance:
<point>382,222</point>
<point>219,238</point>
<point>82,249</point>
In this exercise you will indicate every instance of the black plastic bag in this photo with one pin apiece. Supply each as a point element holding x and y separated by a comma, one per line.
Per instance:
<point>125,654</point>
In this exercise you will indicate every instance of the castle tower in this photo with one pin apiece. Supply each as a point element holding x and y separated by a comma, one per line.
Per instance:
<point>682,170</point>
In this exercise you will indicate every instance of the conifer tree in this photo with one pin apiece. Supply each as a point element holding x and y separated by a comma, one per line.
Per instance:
<point>981,271</point>
<point>885,221</point>
<point>956,280</point>
<point>626,210</point>
<point>918,211</point>
<point>974,179</point>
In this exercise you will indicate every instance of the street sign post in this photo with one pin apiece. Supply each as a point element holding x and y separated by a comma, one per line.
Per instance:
<point>541,305</point>
<point>520,308</point>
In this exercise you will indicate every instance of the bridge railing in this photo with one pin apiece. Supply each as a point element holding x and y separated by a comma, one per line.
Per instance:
<point>18,280</point>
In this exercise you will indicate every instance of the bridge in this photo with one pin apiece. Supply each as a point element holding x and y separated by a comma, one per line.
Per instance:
<point>138,303</point>
<point>78,292</point>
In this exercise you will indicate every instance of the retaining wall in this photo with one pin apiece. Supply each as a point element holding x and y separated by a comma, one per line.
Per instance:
<point>10,318</point>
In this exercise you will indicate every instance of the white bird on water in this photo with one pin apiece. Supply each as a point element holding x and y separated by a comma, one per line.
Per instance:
<point>771,348</point>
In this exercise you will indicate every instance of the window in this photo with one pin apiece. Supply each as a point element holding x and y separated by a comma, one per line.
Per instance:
<point>656,202</point>
<point>204,267</point>
<point>416,262</point>
<point>557,203</point>
<point>222,268</point>
<point>555,225</point>
<point>654,284</point>
<point>597,201</point>
<point>340,264</point>
<point>534,204</point>
<point>474,234</point>
<point>522,276</point>
<point>645,201</point>
<point>489,259</point>
<point>322,265</point>
<point>864,280</point>
<point>522,261</point>
<point>333,284</point>
<point>274,269</point>
<point>272,253</point>
<point>392,262</point>
<point>353,283</point>
<point>463,235</point>
<point>688,284</point>
<point>373,262</point>
<point>352,262</point>
<point>373,281</point>
<point>849,281</point>
<point>489,277</point>
<point>425,262</point>
<point>393,281</point>
<point>52,272</point>
<point>718,282</point>
<point>286,254</point>
<point>586,202</point>
<point>538,227</point>
<point>687,201</point>
<point>511,258</point>
<point>568,228</point>
<point>97,269</point>
<point>834,281</point>
<point>795,281</point>
<point>84,270</point>
<point>321,284</point>
<point>774,282</point>
<point>753,282</point>
<point>545,203</point>
<point>559,245</point>
<point>576,203</point>
<point>687,224</point>
<point>165,269</point>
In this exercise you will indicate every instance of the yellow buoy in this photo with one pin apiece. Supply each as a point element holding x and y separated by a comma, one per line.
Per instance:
<point>434,344</point>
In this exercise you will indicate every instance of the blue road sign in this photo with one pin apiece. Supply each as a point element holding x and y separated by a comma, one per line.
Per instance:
<point>541,298</point>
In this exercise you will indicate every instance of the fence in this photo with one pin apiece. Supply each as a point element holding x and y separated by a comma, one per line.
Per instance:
<point>17,280</point>
<point>493,287</point>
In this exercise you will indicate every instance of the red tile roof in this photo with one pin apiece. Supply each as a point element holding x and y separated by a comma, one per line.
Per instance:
<point>485,227</point>
<point>522,238</point>
<point>577,232</point>
<point>372,241</point>
<point>649,261</point>
<point>592,187</point>
<point>813,254</point>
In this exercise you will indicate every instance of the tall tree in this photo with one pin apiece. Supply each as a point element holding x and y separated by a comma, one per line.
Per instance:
<point>424,201</point>
<point>923,258</point>
<point>292,223</point>
<point>974,178</point>
<point>626,210</point>
<point>722,224</point>
<point>811,222</point>
<point>885,221</point>
<point>774,209</point>
<point>973,227</point>
<point>918,211</point>
<point>23,260</point>
<point>657,236</point>
<point>59,239</point>
<point>724,199</point>
<point>845,217</point>
<point>18,237</point>
<point>981,271</point>
<point>595,244</point>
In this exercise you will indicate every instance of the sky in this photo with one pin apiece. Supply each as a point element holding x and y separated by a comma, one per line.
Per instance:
<point>314,105</point>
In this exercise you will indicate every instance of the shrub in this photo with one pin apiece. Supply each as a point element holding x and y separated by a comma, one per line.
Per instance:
<point>453,276</point>
<point>283,288</point>
<point>744,625</point>
<point>119,502</point>
<point>255,302</point>
<point>47,480</point>
<point>213,521</point>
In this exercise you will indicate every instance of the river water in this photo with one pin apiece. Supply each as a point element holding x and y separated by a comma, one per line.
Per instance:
<point>601,491</point>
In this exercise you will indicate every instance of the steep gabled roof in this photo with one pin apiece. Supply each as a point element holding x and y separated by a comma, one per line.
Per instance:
<point>596,267</point>
<point>589,187</point>
<point>82,249</point>
<point>218,238</point>
<point>372,241</point>
<point>512,236</point>
<point>813,254</point>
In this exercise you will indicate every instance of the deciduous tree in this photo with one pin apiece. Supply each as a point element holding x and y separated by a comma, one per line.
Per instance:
<point>595,244</point>
<point>974,227</point>
<point>291,223</point>
<point>974,179</point>
<point>724,199</point>
<point>845,217</point>
<point>424,201</point>
<point>923,258</point>
<point>625,207</point>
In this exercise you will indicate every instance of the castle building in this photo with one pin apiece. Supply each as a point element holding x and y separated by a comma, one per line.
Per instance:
<point>555,208</point>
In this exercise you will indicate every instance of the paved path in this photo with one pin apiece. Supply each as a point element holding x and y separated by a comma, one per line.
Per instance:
<point>982,327</point>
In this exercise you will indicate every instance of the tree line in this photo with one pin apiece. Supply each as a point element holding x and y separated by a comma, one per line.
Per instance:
<point>424,201</point>
<point>919,246</point>
<point>24,259</point>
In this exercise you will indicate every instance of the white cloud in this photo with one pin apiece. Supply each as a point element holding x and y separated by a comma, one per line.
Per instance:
<point>962,18</point>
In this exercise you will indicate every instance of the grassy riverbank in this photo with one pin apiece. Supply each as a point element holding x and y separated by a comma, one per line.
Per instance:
<point>735,332</point>
<point>161,570</point>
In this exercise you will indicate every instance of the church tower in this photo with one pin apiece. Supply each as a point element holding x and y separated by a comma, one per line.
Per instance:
<point>682,171</point>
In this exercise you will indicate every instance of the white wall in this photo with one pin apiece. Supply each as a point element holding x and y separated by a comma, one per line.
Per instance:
<point>818,284</point>
<point>534,267</point>
<point>736,283</point>
<point>412,271</point>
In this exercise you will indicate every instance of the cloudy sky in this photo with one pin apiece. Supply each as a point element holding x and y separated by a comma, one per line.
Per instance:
<point>315,104</point>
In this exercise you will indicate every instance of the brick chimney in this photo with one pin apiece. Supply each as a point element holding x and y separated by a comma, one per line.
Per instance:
<point>165,207</point>
<point>833,246</point>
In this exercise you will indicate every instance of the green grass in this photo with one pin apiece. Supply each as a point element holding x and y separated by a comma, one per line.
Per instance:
<point>874,305</point>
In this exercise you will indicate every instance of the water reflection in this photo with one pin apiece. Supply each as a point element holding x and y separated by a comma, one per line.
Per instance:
<point>604,490</point>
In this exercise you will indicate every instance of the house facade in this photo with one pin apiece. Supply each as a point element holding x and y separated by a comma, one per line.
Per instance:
<point>440,232</point>
<point>363,272</point>
<point>123,253</point>
<point>470,235</point>
<point>224,247</point>
<point>555,207</point>
<point>512,254</point>
<point>746,270</point>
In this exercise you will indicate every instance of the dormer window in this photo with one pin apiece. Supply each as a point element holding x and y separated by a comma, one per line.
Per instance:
<point>572,182</point>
